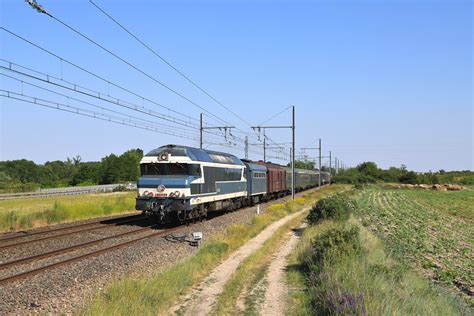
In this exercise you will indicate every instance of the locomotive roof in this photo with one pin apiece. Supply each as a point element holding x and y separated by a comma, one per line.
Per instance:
<point>196,154</point>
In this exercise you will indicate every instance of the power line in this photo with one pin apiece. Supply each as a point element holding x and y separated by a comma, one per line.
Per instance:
<point>82,112</point>
<point>94,94</point>
<point>167,62</point>
<point>271,118</point>
<point>89,72</point>
<point>137,68</point>
<point>91,104</point>
<point>130,64</point>
<point>109,82</point>
<point>105,80</point>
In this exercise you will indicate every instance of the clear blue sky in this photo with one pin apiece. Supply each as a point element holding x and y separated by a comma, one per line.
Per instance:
<point>386,81</point>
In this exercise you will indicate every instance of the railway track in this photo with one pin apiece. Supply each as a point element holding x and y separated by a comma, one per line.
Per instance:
<point>98,223</point>
<point>32,272</point>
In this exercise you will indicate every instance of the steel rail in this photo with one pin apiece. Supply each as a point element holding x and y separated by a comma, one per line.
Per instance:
<point>69,227</point>
<point>68,249</point>
<point>65,234</point>
<point>33,272</point>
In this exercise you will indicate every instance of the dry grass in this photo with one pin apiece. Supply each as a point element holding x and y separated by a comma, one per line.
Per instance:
<point>28,213</point>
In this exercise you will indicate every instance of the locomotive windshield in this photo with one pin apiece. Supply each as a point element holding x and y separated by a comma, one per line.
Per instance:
<point>162,169</point>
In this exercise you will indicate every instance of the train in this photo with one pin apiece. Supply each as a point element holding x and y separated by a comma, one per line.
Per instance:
<point>181,183</point>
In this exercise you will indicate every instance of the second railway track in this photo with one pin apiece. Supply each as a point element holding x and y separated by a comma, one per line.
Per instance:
<point>82,227</point>
<point>24,274</point>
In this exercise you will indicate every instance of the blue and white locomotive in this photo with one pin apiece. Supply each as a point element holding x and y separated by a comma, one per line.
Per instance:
<point>185,183</point>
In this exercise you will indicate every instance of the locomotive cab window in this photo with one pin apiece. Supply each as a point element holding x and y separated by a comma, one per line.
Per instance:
<point>169,169</point>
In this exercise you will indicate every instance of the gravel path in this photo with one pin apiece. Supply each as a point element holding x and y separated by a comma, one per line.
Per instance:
<point>277,289</point>
<point>69,288</point>
<point>203,297</point>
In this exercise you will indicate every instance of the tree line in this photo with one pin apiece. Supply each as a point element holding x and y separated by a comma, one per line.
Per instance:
<point>25,175</point>
<point>369,172</point>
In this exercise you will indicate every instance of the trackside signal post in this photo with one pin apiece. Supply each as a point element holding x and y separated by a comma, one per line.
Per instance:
<point>292,127</point>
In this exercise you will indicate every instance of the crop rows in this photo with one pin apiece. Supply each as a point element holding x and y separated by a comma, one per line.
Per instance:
<point>433,230</point>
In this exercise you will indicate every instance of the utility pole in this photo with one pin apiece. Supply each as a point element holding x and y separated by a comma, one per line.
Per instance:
<point>264,147</point>
<point>330,168</point>
<point>320,163</point>
<point>202,128</point>
<point>292,127</point>
<point>200,131</point>
<point>319,160</point>
<point>293,157</point>
<point>246,147</point>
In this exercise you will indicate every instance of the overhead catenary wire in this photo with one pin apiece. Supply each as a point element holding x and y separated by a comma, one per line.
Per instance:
<point>140,70</point>
<point>272,117</point>
<point>93,94</point>
<point>88,92</point>
<point>83,112</point>
<point>91,73</point>
<point>146,74</point>
<point>168,63</point>
<point>123,60</point>
<point>94,105</point>
<point>136,68</point>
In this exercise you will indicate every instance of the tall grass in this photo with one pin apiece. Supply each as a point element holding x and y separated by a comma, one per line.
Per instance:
<point>151,295</point>
<point>360,279</point>
<point>27,213</point>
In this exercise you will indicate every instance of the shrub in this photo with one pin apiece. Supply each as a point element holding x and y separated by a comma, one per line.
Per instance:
<point>325,250</point>
<point>331,245</point>
<point>338,207</point>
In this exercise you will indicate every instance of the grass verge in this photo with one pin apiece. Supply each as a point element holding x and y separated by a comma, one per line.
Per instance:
<point>151,295</point>
<point>28,213</point>
<point>354,274</point>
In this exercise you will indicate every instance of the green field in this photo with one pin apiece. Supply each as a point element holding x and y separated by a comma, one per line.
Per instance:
<point>433,231</point>
<point>27,213</point>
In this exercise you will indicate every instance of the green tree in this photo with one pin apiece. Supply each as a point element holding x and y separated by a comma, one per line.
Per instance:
<point>410,177</point>
<point>369,169</point>
<point>300,164</point>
